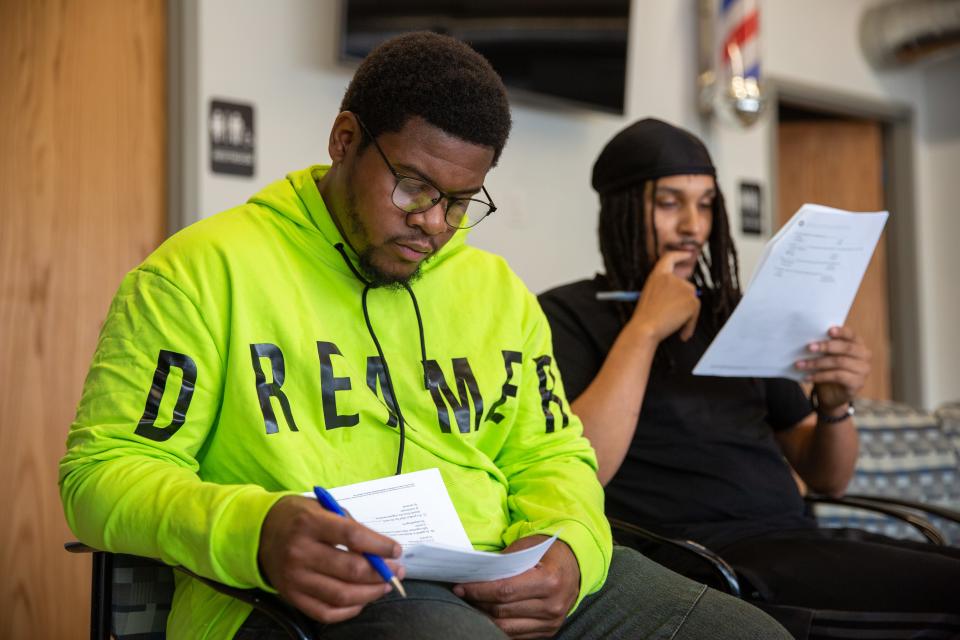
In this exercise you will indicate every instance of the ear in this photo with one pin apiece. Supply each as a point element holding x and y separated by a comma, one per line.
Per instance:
<point>344,135</point>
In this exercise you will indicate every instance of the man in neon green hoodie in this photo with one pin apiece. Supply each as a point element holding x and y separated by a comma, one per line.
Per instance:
<point>336,328</point>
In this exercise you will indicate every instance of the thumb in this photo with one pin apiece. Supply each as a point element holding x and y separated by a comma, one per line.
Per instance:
<point>691,324</point>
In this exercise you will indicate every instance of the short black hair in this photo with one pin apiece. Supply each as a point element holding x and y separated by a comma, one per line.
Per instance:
<point>437,78</point>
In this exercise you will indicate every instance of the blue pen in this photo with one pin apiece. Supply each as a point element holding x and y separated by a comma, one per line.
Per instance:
<point>623,296</point>
<point>329,503</point>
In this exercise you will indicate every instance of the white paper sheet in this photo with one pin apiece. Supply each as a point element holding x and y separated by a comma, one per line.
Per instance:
<point>433,561</point>
<point>415,510</point>
<point>410,508</point>
<point>805,282</point>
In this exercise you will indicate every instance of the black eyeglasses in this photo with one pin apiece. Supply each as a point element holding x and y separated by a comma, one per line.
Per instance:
<point>414,195</point>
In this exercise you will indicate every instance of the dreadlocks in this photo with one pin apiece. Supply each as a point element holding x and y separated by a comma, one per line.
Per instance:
<point>623,244</point>
<point>625,175</point>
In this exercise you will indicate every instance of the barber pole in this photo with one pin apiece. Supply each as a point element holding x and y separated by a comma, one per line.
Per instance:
<point>740,42</point>
<point>730,60</point>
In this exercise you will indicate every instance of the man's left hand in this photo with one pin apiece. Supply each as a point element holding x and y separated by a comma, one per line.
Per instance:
<point>838,367</point>
<point>535,603</point>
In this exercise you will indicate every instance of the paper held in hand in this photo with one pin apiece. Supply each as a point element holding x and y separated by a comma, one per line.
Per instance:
<point>804,284</point>
<point>415,510</point>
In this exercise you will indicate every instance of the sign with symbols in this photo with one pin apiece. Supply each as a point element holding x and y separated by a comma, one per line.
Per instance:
<point>231,138</point>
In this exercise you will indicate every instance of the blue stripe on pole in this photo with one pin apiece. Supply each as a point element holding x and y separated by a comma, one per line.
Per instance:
<point>753,72</point>
<point>726,5</point>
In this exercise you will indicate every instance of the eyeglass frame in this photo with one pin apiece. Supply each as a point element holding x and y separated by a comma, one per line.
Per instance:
<point>443,196</point>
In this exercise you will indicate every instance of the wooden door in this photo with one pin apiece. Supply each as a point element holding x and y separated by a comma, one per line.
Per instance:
<point>82,180</point>
<point>839,163</point>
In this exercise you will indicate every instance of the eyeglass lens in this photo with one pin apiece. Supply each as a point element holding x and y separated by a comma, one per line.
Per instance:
<point>413,196</point>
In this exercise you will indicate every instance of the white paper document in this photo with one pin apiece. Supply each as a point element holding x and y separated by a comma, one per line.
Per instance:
<point>805,282</point>
<point>435,561</point>
<point>411,508</point>
<point>415,510</point>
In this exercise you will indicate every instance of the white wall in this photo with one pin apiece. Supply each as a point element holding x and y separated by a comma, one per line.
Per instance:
<point>280,56</point>
<point>938,201</point>
<point>815,43</point>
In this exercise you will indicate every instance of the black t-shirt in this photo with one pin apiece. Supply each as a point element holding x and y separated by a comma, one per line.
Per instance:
<point>703,463</point>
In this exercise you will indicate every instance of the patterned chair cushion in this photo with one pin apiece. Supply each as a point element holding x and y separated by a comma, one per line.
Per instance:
<point>141,598</point>
<point>904,453</point>
<point>949,416</point>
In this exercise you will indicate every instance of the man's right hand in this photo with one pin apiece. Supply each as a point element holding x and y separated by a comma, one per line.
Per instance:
<point>668,303</point>
<point>298,555</point>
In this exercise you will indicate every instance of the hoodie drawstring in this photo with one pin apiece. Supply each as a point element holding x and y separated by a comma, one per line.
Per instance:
<point>386,369</point>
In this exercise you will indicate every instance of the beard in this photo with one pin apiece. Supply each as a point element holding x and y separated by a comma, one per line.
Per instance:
<point>379,278</point>
<point>367,258</point>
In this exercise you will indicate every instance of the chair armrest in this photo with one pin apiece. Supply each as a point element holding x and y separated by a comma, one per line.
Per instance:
<point>278,611</point>
<point>722,568</point>
<point>936,510</point>
<point>283,614</point>
<point>930,532</point>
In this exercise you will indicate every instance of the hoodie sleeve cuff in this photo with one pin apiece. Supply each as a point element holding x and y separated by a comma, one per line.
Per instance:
<point>236,543</point>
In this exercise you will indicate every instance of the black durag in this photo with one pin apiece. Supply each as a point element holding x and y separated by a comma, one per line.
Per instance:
<point>646,150</point>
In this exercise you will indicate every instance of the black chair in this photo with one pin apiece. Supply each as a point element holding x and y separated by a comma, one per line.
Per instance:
<point>727,580</point>
<point>694,560</point>
<point>130,597</point>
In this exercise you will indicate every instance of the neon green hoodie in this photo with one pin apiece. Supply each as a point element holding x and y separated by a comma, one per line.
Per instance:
<point>235,367</point>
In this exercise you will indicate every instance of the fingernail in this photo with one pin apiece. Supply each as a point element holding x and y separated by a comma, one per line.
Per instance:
<point>458,591</point>
<point>387,587</point>
<point>801,364</point>
<point>814,346</point>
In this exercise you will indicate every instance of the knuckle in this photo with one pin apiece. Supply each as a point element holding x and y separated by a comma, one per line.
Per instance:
<point>508,627</point>
<point>328,615</point>
<point>552,581</point>
<point>356,570</point>
<point>301,520</point>
<point>556,609</point>
<point>339,599</point>
<point>505,590</point>
<point>352,537</point>
<point>315,609</point>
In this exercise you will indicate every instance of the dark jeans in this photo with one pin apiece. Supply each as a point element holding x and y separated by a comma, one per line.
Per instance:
<point>640,599</point>
<point>842,583</point>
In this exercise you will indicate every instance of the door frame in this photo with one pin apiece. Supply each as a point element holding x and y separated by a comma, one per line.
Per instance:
<point>897,125</point>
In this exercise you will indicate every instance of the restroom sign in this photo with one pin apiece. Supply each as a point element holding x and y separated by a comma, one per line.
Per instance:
<point>231,138</point>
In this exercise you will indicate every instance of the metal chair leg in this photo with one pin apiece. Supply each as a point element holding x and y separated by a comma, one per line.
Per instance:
<point>101,596</point>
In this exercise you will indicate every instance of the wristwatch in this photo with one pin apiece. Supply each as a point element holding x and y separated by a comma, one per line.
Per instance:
<point>828,419</point>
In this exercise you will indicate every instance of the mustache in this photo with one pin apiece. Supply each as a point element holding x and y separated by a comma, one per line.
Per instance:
<point>685,244</point>
<point>416,239</point>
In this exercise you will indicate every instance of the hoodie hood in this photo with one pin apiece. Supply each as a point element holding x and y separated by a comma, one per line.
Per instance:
<point>297,199</point>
